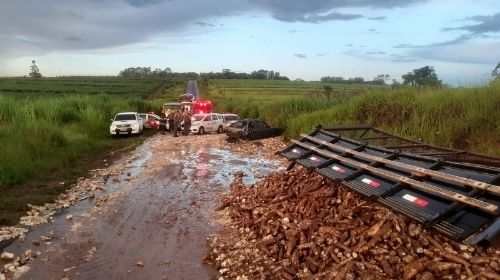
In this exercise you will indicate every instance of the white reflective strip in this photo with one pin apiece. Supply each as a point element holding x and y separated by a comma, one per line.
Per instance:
<point>366,181</point>
<point>336,168</point>
<point>313,158</point>
<point>409,197</point>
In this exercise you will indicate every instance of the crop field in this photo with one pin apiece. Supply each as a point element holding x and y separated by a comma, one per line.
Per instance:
<point>51,128</point>
<point>274,100</point>
<point>265,91</point>
<point>460,118</point>
<point>113,86</point>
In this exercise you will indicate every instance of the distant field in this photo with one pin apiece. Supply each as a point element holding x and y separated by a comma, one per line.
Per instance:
<point>265,91</point>
<point>130,88</point>
<point>252,98</point>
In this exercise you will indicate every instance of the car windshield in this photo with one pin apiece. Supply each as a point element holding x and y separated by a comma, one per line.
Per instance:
<point>197,118</point>
<point>172,106</point>
<point>125,117</point>
<point>230,118</point>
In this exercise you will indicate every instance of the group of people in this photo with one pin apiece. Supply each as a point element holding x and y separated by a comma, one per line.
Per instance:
<point>176,119</point>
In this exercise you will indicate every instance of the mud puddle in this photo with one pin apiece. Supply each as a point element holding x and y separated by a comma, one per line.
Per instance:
<point>153,220</point>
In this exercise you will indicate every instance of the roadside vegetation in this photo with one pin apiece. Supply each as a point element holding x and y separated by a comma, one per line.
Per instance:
<point>53,130</point>
<point>460,118</point>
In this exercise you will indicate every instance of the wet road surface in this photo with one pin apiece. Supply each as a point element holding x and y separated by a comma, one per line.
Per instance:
<point>152,222</point>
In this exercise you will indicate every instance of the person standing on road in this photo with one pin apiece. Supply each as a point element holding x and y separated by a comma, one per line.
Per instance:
<point>170,118</point>
<point>177,123</point>
<point>163,125</point>
<point>187,123</point>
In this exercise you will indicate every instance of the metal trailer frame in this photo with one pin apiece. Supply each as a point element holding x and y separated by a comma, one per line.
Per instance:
<point>374,136</point>
<point>459,200</point>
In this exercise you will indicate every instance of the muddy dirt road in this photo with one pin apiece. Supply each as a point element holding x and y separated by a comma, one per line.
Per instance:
<point>153,219</point>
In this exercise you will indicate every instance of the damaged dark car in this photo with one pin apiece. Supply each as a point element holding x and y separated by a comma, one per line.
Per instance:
<point>250,129</point>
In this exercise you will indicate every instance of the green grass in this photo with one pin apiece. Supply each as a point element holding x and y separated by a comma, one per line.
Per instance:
<point>257,98</point>
<point>265,91</point>
<point>460,118</point>
<point>53,129</point>
<point>455,118</point>
<point>115,86</point>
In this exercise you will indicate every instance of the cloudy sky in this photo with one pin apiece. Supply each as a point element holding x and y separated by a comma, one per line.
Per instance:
<point>304,39</point>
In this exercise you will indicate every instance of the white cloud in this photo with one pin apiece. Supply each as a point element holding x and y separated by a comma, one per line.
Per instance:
<point>486,53</point>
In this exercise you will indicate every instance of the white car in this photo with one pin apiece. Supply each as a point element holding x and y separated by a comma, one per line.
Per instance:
<point>229,119</point>
<point>147,118</point>
<point>126,123</point>
<point>204,123</point>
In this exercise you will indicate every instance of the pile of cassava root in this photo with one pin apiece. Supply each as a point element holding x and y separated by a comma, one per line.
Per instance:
<point>299,225</point>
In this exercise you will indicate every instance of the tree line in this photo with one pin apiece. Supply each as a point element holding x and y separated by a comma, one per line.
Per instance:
<point>147,72</point>
<point>420,77</point>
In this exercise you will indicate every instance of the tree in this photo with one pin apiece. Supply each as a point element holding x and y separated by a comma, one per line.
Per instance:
<point>327,90</point>
<point>496,72</point>
<point>422,77</point>
<point>381,79</point>
<point>35,73</point>
<point>356,80</point>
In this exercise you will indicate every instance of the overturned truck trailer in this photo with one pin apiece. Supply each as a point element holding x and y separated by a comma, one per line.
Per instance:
<point>458,199</point>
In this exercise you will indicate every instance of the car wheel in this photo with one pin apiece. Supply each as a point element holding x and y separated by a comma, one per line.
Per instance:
<point>201,131</point>
<point>220,129</point>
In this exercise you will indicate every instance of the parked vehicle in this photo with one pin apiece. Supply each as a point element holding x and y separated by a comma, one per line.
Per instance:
<point>250,129</point>
<point>202,106</point>
<point>199,106</point>
<point>170,108</point>
<point>126,123</point>
<point>150,120</point>
<point>229,119</point>
<point>163,127</point>
<point>204,123</point>
<point>186,97</point>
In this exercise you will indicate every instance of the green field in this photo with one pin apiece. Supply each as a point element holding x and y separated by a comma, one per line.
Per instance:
<point>252,98</point>
<point>266,91</point>
<point>119,87</point>
<point>53,129</point>
<point>461,118</point>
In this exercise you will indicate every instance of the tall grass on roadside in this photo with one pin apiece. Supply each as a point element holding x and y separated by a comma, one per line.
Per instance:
<point>461,118</point>
<point>464,118</point>
<point>42,135</point>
